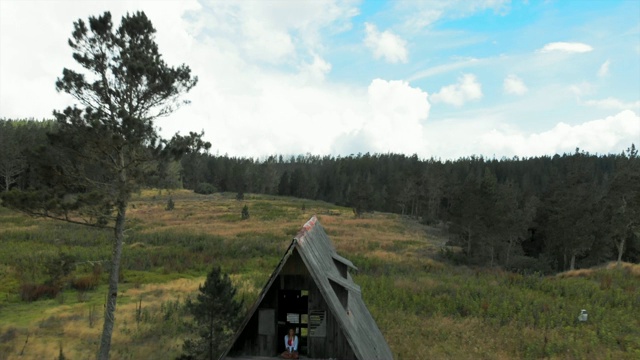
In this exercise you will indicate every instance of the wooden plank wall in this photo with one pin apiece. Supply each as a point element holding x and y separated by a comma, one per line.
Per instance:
<point>335,344</point>
<point>250,341</point>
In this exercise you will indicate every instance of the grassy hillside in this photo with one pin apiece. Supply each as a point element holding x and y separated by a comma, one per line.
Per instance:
<point>424,307</point>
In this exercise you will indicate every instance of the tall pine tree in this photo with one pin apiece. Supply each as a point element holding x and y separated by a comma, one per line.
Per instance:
<point>103,150</point>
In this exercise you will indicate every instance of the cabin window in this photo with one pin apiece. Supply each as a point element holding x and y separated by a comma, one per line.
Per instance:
<point>317,323</point>
<point>342,268</point>
<point>341,293</point>
<point>266,322</point>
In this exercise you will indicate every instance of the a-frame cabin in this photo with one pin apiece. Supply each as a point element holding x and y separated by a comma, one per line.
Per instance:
<point>312,292</point>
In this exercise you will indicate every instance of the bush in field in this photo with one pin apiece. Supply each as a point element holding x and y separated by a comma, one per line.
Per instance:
<point>170,204</point>
<point>245,212</point>
<point>85,283</point>
<point>529,265</point>
<point>32,292</point>
<point>59,268</point>
<point>205,189</point>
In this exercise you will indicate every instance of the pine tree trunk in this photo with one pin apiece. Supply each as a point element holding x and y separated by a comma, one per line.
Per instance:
<point>620,246</point>
<point>573,262</point>
<point>116,255</point>
<point>468,241</point>
<point>506,263</point>
<point>492,255</point>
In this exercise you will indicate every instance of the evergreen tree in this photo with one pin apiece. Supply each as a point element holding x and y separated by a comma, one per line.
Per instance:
<point>216,314</point>
<point>284,187</point>
<point>104,150</point>
<point>12,160</point>
<point>622,202</point>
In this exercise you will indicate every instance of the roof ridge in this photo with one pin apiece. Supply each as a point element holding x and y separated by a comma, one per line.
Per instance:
<point>308,226</point>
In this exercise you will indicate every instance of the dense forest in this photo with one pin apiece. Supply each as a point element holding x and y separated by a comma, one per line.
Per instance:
<point>544,214</point>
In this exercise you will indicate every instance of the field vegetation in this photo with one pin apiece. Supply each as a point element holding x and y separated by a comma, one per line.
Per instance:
<point>53,283</point>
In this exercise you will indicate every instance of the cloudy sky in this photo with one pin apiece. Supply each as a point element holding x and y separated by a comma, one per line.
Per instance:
<point>442,79</point>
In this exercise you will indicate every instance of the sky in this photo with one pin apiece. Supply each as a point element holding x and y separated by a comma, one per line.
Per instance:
<point>441,79</point>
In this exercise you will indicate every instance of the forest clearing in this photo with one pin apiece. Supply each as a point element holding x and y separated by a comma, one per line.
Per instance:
<point>425,306</point>
<point>476,178</point>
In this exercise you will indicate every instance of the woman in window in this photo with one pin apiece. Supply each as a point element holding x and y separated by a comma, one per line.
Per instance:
<point>291,344</point>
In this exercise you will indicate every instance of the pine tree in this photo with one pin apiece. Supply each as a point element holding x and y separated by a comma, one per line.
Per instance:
<point>170,204</point>
<point>216,314</point>
<point>103,150</point>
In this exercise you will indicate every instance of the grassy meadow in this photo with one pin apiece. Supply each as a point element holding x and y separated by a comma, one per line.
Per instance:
<point>425,307</point>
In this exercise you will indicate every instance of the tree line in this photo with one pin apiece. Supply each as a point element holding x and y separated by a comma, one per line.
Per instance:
<point>547,213</point>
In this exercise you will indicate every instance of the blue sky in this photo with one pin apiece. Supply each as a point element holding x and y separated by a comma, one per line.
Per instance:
<point>441,79</point>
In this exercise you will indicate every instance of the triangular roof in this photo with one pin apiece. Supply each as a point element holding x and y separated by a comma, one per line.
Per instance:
<point>319,256</point>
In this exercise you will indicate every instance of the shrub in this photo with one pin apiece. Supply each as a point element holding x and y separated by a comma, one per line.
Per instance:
<point>240,196</point>
<point>32,292</point>
<point>245,212</point>
<point>205,189</point>
<point>85,283</point>
<point>529,265</point>
<point>59,267</point>
<point>170,204</point>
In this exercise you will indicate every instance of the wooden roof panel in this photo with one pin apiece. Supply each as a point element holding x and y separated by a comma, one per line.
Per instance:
<point>358,325</point>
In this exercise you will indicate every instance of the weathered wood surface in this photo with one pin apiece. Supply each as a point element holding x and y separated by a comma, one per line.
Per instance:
<point>351,331</point>
<point>352,322</point>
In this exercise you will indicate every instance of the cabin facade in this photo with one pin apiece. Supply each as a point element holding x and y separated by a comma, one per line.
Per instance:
<point>311,291</point>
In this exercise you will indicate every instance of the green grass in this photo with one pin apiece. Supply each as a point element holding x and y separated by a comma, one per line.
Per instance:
<point>425,308</point>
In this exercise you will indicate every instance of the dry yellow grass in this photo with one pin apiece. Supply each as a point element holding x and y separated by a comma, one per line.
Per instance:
<point>386,237</point>
<point>633,269</point>
<point>629,268</point>
<point>69,325</point>
<point>576,273</point>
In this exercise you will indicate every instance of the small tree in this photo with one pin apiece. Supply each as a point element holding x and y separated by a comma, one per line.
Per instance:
<point>216,314</point>
<point>245,212</point>
<point>170,204</point>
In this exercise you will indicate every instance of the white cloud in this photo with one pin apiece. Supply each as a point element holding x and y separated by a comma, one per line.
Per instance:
<point>613,103</point>
<point>603,71</point>
<point>394,114</point>
<point>272,32</point>
<point>265,84</point>
<point>421,14</point>
<point>566,47</point>
<point>468,88</point>
<point>597,136</point>
<point>445,68</point>
<point>24,78</point>
<point>581,89</point>
<point>514,85</point>
<point>386,44</point>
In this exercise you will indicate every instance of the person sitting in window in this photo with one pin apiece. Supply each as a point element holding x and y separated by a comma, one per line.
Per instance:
<point>291,344</point>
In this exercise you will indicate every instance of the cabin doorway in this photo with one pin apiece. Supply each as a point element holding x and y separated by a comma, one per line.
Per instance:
<point>293,313</point>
